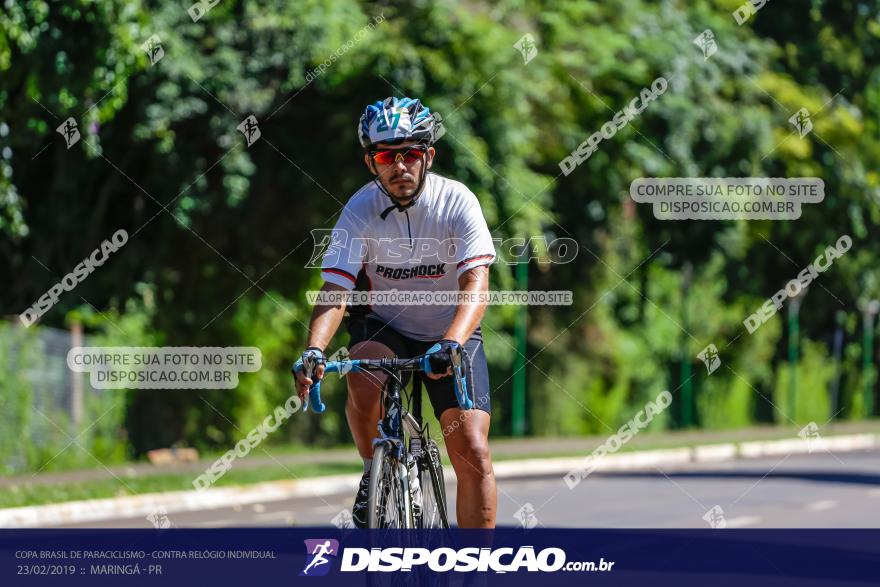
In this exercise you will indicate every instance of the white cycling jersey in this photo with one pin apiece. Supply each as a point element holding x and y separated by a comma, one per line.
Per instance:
<point>424,247</point>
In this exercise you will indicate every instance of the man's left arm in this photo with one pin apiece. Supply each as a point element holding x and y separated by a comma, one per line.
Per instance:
<point>468,314</point>
<point>474,256</point>
<point>475,283</point>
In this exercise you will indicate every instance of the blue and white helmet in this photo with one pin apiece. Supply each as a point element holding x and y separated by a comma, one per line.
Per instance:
<point>398,120</point>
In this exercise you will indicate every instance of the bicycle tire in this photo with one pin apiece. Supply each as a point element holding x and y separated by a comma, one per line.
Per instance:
<point>388,504</point>
<point>433,486</point>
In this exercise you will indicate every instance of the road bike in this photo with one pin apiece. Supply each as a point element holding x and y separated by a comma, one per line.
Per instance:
<point>407,488</point>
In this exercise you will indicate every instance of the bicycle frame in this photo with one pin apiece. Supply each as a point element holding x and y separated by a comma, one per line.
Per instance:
<point>396,419</point>
<point>397,424</point>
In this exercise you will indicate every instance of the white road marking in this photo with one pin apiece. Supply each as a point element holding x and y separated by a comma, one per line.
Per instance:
<point>819,506</point>
<point>279,514</point>
<point>874,493</point>
<point>280,518</point>
<point>743,521</point>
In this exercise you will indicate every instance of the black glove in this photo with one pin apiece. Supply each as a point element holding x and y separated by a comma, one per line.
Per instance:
<point>308,363</point>
<point>439,356</point>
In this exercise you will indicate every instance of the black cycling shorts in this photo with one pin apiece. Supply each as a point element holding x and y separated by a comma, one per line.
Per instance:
<point>440,391</point>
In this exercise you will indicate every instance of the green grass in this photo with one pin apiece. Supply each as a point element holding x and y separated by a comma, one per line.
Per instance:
<point>82,462</point>
<point>23,495</point>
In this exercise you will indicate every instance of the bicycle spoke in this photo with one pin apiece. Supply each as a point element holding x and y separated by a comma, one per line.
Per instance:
<point>433,490</point>
<point>389,502</point>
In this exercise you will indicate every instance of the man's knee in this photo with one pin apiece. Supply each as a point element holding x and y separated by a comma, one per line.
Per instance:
<point>370,349</point>
<point>470,455</point>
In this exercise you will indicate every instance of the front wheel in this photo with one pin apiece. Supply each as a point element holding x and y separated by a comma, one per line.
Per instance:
<point>388,504</point>
<point>433,510</point>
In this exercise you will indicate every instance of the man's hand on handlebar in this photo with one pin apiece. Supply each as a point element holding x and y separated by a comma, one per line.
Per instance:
<point>309,369</point>
<point>439,358</point>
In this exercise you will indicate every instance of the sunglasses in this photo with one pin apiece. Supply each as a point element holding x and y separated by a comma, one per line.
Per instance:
<point>391,156</point>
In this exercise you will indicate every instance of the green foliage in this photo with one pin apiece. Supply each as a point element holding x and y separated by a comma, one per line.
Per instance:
<point>813,373</point>
<point>21,353</point>
<point>275,326</point>
<point>220,232</point>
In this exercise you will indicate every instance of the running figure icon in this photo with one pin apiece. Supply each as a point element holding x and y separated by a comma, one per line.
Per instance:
<point>319,550</point>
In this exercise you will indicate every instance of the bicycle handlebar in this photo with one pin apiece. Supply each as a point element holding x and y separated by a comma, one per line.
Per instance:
<point>420,363</point>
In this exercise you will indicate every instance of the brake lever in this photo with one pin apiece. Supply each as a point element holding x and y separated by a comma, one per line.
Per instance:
<point>461,390</point>
<point>309,365</point>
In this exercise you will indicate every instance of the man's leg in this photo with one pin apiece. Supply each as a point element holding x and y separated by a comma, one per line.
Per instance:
<point>362,413</point>
<point>467,442</point>
<point>362,407</point>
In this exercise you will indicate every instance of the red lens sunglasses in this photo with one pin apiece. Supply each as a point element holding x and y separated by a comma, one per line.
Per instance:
<point>391,156</point>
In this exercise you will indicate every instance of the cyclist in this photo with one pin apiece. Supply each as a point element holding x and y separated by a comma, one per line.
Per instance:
<point>411,229</point>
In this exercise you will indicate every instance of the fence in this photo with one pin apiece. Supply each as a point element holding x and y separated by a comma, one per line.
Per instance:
<point>50,416</point>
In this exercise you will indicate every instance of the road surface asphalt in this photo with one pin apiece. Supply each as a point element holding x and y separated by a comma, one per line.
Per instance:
<point>818,490</point>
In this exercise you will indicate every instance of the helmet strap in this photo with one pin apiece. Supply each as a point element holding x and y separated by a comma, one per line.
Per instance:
<point>419,187</point>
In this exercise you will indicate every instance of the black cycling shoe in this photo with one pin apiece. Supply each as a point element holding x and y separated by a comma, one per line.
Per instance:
<point>359,511</point>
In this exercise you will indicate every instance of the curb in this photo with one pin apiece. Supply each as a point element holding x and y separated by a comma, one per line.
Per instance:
<point>134,506</point>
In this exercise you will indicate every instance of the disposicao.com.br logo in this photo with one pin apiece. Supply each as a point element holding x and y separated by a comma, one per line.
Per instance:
<point>446,559</point>
<point>443,559</point>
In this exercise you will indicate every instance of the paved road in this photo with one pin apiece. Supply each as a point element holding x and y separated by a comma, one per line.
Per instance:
<point>820,490</point>
<point>506,447</point>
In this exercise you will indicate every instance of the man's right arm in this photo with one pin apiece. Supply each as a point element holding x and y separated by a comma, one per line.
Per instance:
<point>339,267</point>
<point>323,325</point>
<point>326,319</point>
